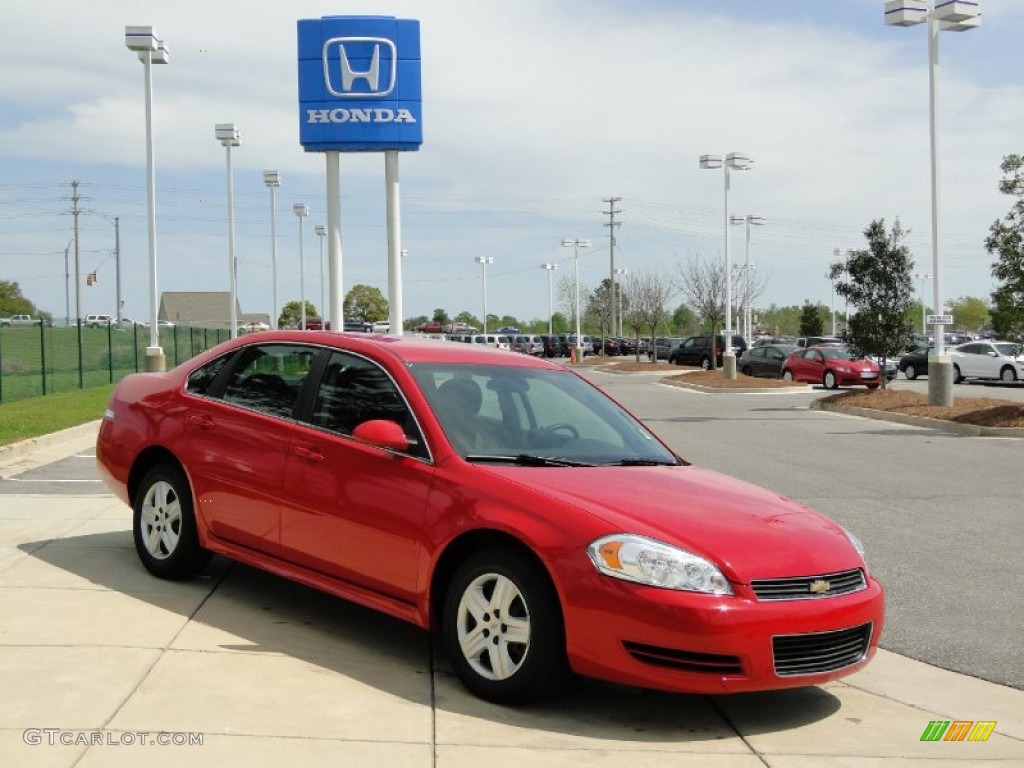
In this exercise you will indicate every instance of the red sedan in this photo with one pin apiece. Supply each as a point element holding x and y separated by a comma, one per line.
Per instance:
<point>501,501</point>
<point>832,366</point>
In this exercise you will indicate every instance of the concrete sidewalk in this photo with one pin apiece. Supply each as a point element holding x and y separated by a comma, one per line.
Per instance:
<point>266,672</point>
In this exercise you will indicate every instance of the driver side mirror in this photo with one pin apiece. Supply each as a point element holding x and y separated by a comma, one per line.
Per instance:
<point>383,434</point>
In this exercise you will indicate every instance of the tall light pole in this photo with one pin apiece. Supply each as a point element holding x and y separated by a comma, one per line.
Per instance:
<point>483,261</point>
<point>321,232</point>
<point>750,220</point>
<point>734,161</point>
<point>955,17</point>
<point>301,211</point>
<point>576,244</point>
<point>549,268</point>
<point>273,180</point>
<point>923,276</point>
<point>844,254</point>
<point>227,134</point>
<point>620,272</point>
<point>832,282</point>
<point>151,50</point>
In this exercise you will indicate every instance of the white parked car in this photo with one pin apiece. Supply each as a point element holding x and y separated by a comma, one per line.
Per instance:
<point>1002,360</point>
<point>95,321</point>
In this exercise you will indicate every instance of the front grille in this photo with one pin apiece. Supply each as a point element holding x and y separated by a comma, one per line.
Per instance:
<point>809,587</point>
<point>820,651</point>
<point>687,661</point>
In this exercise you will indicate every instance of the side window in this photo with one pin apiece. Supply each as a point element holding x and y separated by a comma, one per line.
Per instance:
<point>267,378</point>
<point>354,390</point>
<point>201,379</point>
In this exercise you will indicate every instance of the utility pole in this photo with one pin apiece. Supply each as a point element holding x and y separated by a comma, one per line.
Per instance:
<point>611,213</point>
<point>117,265</point>
<point>78,282</point>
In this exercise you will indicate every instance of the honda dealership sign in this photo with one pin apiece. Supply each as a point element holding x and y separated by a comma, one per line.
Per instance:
<point>359,84</point>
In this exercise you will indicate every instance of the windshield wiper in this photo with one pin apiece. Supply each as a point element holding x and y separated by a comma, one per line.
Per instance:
<point>527,460</point>
<point>642,463</point>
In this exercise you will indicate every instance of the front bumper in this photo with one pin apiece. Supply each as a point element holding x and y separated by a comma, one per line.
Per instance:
<point>686,642</point>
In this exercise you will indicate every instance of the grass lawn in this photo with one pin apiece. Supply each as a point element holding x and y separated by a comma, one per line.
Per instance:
<point>35,416</point>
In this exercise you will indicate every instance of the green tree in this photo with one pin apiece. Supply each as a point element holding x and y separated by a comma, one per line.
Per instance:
<point>684,322</point>
<point>1006,241</point>
<point>811,323</point>
<point>291,314</point>
<point>784,321</point>
<point>12,302</point>
<point>969,313</point>
<point>560,323</point>
<point>877,282</point>
<point>468,318</point>
<point>366,303</point>
<point>440,316</point>
<point>411,322</point>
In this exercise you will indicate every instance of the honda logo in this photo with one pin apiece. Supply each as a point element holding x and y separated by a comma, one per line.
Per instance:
<point>343,80</point>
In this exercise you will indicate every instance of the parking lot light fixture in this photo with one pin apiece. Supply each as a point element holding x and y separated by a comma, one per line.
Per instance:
<point>273,180</point>
<point>923,276</point>
<point>151,50</point>
<point>549,268</point>
<point>301,211</point>
<point>483,261</point>
<point>952,16</point>
<point>227,134</point>
<point>734,161</point>
<point>576,244</point>
<point>750,220</point>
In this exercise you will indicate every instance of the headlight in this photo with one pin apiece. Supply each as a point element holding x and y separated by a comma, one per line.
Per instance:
<point>645,561</point>
<point>857,544</point>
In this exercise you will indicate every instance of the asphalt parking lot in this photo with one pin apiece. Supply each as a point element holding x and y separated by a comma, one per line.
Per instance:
<point>268,672</point>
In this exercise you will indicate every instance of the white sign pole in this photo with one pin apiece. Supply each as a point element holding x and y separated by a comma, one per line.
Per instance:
<point>394,225</point>
<point>334,239</point>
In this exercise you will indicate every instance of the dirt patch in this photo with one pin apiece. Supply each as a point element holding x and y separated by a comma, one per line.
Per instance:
<point>981,411</point>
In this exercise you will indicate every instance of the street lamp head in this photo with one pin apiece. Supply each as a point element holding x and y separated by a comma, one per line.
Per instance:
<point>739,161</point>
<point>710,161</point>
<point>162,54</point>
<point>483,259</point>
<point>272,178</point>
<point>321,230</point>
<point>621,271</point>
<point>227,134</point>
<point>300,209</point>
<point>757,221</point>
<point>141,38</point>
<point>906,13</point>
<point>549,267</point>
<point>737,219</point>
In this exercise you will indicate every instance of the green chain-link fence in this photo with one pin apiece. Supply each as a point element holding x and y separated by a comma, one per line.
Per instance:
<point>41,360</point>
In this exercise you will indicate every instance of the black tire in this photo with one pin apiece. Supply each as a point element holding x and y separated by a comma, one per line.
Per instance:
<point>787,375</point>
<point>705,363</point>
<point>747,371</point>
<point>164,525</point>
<point>529,668</point>
<point>957,376</point>
<point>829,380</point>
<point>910,371</point>
<point>1007,375</point>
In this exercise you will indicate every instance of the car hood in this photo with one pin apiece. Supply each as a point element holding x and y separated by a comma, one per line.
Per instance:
<point>748,531</point>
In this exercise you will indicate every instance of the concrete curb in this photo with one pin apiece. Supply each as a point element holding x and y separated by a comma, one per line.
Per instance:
<point>967,430</point>
<point>14,451</point>
<point>795,389</point>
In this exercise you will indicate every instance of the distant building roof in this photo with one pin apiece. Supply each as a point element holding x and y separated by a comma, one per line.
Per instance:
<point>199,309</point>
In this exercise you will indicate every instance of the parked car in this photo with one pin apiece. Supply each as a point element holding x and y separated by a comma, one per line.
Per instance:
<point>832,366</point>
<point>890,366</point>
<point>697,350</point>
<point>500,501</point>
<point>1002,360</point>
<point>528,345</point>
<point>813,341</point>
<point>20,320</point>
<point>662,346</point>
<point>315,324</point>
<point>765,361</point>
<point>915,362</point>
<point>96,321</point>
<point>431,326</point>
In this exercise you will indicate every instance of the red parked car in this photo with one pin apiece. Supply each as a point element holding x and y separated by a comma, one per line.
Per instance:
<point>832,366</point>
<point>501,501</point>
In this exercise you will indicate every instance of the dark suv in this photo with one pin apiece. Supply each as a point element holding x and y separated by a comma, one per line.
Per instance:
<point>663,345</point>
<point>696,350</point>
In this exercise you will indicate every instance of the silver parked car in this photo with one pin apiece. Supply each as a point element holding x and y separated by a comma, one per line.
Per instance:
<point>1002,360</point>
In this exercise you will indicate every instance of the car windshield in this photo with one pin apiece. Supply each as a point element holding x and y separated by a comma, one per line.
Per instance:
<point>838,353</point>
<point>520,415</point>
<point>1009,350</point>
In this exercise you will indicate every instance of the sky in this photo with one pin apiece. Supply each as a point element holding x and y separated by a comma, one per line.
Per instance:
<point>534,113</point>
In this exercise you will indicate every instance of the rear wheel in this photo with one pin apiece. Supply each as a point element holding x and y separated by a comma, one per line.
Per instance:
<point>830,381</point>
<point>787,375</point>
<point>502,628</point>
<point>957,376</point>
<point>747,371</point>
<point>164,525</point>
<point>1007,374</point>
<point>705,363</point>
<point>910,372</point>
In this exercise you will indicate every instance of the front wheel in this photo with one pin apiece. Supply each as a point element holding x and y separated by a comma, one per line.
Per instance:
<point>910,372</point>
<point>830,381</point>
<point>787,376</point>
<point>705,363</point>
<point>1007,374</point>
<point>502,628</point>
<point>164,525</point>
